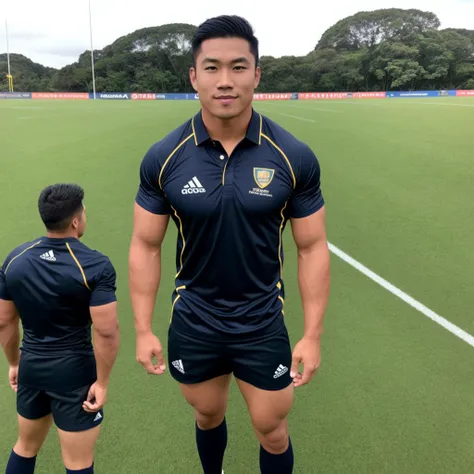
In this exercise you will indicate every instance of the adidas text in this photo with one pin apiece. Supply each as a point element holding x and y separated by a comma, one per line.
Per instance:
<point>194,186</point>
<point>192,190</point>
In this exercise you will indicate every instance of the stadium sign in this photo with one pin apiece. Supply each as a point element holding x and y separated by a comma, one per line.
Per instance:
<point>15,95</point>
<point>113,95</point>
<point>141,96</point>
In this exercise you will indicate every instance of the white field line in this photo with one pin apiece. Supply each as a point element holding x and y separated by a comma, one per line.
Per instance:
<point>373,103</point>
<point>296,117</point>
<point>423,101</point>
<point>300,118</point>
<point>452,328</point>
<point>311,109</point>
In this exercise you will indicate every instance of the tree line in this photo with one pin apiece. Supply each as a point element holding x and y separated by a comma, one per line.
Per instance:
<point>382,50</point>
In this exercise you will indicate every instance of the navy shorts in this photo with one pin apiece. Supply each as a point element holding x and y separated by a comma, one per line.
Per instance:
<point>262,361</point>
<point>66,407</point>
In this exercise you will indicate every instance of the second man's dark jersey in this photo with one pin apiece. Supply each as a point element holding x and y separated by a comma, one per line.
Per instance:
<point>230,212</point>
<point>53,282</point>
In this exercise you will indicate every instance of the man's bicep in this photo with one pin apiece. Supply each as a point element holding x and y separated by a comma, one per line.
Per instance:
<point>4,294</point>
<point>105,286</point>
<point>150,196</point>
<point>104,318</point>
<point>149,228</point>
<point>310,231</point>
<point>8,312</point>
<point>307,197</point>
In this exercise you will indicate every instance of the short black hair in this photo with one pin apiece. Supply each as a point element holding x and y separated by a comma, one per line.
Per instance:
<point>58,204</point>
<point>225,26</point>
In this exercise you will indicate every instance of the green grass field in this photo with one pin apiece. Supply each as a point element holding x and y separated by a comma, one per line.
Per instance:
<point>393,393</point>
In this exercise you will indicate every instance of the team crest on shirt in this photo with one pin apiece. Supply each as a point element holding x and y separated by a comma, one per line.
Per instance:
<point>263,176</point>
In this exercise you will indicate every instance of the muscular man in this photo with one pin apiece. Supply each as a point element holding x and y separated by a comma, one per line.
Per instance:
<point>57,286</point>
<point>231,179</point>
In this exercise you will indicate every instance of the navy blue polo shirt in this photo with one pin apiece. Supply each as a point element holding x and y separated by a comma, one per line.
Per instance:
<point>53,282</point>
<point>230,212</point>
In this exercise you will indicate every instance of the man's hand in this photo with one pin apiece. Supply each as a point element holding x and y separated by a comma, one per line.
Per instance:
<point>306,352</point>
<point>96,398</point>
<point>149,346</point>
<point>13,377</point>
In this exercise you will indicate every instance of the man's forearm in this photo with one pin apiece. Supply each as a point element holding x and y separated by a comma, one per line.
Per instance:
<point>314,283</point>
<point>10,341</point>
<point>144,280</point>
<point>105,352</point>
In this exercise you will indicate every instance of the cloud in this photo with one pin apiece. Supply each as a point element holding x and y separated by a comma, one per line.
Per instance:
<point>66,51</point>
<point>25,35</point>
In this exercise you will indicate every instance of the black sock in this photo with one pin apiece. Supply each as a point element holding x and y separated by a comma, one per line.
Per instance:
<point>211,446</point>
<point>87,470</point>
<point>20,465</point>
<point>276,463</point>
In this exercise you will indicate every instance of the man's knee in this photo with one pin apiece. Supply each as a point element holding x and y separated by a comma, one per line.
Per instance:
<point>78,447</point>
<point>209,400</point>
<point>272,434</point>
<point>28,445</point>
<point>27,448</point>
<point>31,435</point>
<point>208,421</point>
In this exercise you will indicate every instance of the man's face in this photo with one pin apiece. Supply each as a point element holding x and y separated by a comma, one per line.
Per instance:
<point>225,76</point>
<point>79,222</point>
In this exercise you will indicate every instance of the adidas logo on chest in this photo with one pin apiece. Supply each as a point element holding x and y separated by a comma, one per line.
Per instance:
<point>193,186</point>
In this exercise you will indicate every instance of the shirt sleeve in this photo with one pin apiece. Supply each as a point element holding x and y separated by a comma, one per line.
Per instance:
<point>307,197</point>
<point>150,196</point>
<point>4,295</point>
<point>104,289</point>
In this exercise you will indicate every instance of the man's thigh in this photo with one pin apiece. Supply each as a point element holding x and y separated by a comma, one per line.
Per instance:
<point>193,360</point>
<point>263,362</point>
<point>68,413</point>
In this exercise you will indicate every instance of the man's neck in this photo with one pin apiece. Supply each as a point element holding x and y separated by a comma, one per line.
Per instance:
<point>227,131</point>
<point>61,235</point>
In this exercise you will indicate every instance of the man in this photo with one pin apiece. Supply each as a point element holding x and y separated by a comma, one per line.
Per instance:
<point>231,180</point>
<point>57,287</point>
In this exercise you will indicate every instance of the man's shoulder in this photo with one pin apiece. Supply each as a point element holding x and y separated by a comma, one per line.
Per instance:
<point>20,249</point>
<point>291,146</point>
<point>89,257</point>
<point>161,150</point>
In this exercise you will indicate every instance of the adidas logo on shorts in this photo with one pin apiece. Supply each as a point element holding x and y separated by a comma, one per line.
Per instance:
<point>178,365</point>
<point>281,370</point>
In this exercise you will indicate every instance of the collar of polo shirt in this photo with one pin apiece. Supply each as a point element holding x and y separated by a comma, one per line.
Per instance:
<point>253,134</point>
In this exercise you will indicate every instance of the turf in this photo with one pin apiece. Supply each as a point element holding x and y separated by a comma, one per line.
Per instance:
<point>393,393</point>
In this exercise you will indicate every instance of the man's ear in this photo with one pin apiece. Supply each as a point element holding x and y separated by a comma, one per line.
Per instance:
<point>192,77</point>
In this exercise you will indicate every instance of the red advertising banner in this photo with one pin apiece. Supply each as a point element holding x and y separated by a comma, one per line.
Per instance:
<point>322,95</point>
<point>465,93</point>
<point>141,96</point>
<point>341,95</point>
<point>60,95</point>
<point>273,96</point>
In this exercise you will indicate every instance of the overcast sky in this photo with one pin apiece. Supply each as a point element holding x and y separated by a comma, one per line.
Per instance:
<point>54,35</point>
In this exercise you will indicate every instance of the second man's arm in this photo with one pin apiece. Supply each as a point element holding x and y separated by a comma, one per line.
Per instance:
<point>144,279</point>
